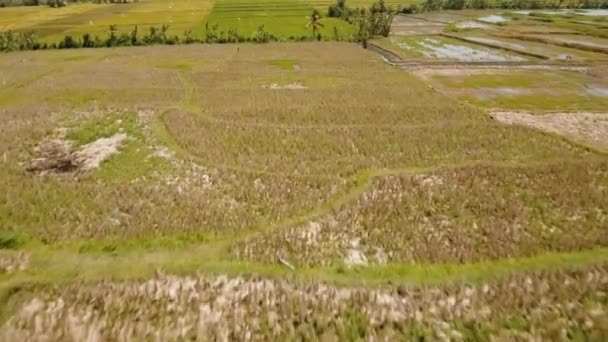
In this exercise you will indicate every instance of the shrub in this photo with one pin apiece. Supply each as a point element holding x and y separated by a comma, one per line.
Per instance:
<point>432,5</point>
<point>87,42</point>
<point>14,41</point>
<point>233,36</point>
<point>480,4</point>
<point>11,240</point>
<point>454,4</point>
<point>69,43</point>
<point>57,3</point>
<point>156,35</point>
<point>262,36</point>
<point>379,7</point>
<point>408,10</point>
<point>211,33</point>
<point>340,10</point>
<point>189,37</point>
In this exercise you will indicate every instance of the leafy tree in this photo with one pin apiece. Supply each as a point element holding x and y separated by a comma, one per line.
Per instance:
<point>69,43</point>
<point>379,7</point>
<point>314,21</point>
<point>432,5</point>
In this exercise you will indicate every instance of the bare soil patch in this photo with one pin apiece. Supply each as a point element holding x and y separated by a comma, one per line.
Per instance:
<point>597,91</point>
<point>54,156</point>
<point>57,155</point>
<point>92,155</point>
<point>289,86</point>
<point>591,127</point>
<point>14,262</point>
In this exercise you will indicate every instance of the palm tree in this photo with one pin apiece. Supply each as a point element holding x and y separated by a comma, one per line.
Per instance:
<point>314,21</point>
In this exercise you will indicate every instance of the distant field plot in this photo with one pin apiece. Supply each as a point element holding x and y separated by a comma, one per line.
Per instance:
<point>538,89</point>
<point>447,49</point>
<point>30,17</point>
<point>51,25</point>
<point>282,18</point>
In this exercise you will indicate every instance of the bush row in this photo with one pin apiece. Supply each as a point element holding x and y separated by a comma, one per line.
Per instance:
<point>20,41</point>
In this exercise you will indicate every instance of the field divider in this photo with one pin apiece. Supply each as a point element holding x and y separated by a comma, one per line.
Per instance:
<point>571,45</point>
<point>495,46</point>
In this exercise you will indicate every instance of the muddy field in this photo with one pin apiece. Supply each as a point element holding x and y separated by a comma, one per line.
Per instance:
<point>435,186</point>
<point>564,37</point>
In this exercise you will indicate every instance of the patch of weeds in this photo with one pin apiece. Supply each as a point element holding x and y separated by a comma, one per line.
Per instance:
<point>513,79</point>
<point>182,65</point>
<point>104,127</point>
<point>285,64</point>
<point>12,240</point>
<point>133,161</point>
<point>74,99</point>
<point>561,102</point>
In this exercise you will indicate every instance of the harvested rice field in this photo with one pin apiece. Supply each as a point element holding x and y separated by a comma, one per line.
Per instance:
<point>430,187</point>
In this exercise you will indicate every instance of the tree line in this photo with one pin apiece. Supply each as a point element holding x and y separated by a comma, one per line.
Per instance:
<point>433,5</point>
<point>156,35</point>
<point>369,22</point>
<point>341,10</point>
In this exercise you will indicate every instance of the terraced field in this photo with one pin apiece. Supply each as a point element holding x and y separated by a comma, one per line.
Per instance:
<point>304,190</point>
